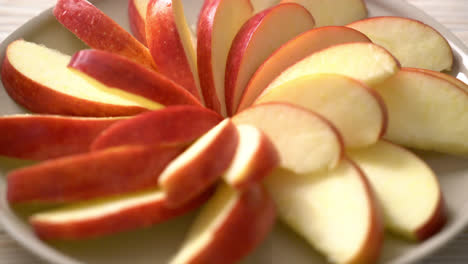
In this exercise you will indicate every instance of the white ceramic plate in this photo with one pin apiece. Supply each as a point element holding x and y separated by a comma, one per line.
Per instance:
<point>156,245</point>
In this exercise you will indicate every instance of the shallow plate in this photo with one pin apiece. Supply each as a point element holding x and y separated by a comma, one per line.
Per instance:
<point>156,245</point>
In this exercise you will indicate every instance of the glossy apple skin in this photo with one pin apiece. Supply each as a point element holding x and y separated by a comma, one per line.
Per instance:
<point>45,137</point>
<point>205,52</point>
<point>203,170</point>
<point>165,45</point>
<point>131,218</point>
<point>172,126</point>
<point>239,47</point>
<point>264,160</point>
<point>239,43</point>
<point>119,72</point>
<point>293,51</point>
<point>137,22</point>
<point>99,31</point>
<point>259,25</point>
<point>91,175</point>
<point>246,226</point>
<point>42,100</point>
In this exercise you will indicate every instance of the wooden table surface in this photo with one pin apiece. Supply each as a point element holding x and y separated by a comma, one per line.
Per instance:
<point>452,13</point>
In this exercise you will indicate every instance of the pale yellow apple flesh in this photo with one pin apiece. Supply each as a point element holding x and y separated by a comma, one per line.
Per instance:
<point>212,217</point>
<point>426,112</point>
<point>412,42</point>
<point>444,76</point>
<point>255,158</point>
<point>297,107</point>
<point>229,218</point>
<point>108,215</point>
<point>334,12</point>
<point>366,62</point>
<point>306,142</point>
<point>357,111</point>
<point>170,43</point>
<point>101,207</point>
<point>137,10</point>
<point>335,211</point>
<point>187,42</point>
<point>201,165</point>
<point>98,208</point>
<point>142,7</point>
<point>260,5</point>
<point>258,38</point>
<point>48,68</point>
<point>407,189</point>
<point>293,51</point>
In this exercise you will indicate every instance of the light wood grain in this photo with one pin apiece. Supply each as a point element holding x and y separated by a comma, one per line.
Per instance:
<point>452,13</point>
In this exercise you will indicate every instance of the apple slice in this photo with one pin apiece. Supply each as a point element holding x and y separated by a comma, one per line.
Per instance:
<point>137,10</point>
<point>110,215</point>
<point>92,175</point>
<point>334,12</point>
<point>201,165</point>
<point>42,137</point>
<point>335,211</point>
<point>99,31</point>
<point>229,227</point>
<point>172,126</point>
<point>170,43</point>
<point>366,62</point>
<point>412,42</point>
<point>293,51</point>
<point>255,158</point>
<point>118,72</point>
<point>38,79</point>
<point>426,112</point>
<point>258,38</point>
<point>219,22</point>
<point>335,97</point>
<point>407,189</point>
<point>305,141</point>
<point>444,76</point>
<point>260,5</point>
